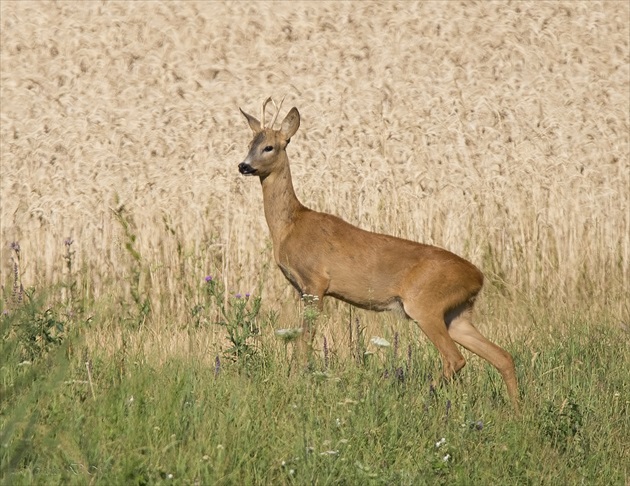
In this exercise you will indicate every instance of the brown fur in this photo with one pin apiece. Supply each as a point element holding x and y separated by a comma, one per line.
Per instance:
<point>322,255</point>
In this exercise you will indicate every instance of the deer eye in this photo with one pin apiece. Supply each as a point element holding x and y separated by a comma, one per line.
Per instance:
<point>268,148</point>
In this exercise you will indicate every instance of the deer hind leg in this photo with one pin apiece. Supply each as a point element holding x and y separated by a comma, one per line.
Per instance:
<point>466,334</point>
<point>433,326</point>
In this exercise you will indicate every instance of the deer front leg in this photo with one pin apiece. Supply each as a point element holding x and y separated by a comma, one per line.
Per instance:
<point>311,293</point>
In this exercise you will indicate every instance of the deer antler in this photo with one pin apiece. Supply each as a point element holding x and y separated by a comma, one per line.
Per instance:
<point>277,111</point>
<point>262,116</point>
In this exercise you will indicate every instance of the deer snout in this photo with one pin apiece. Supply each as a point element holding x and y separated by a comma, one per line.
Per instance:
<point>246,169</point>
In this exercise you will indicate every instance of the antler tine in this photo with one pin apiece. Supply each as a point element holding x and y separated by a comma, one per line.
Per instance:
<point>262,115</point>
<point>277,111</point>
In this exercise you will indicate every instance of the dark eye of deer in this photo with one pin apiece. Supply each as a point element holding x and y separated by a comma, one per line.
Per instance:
<point>268,148</point>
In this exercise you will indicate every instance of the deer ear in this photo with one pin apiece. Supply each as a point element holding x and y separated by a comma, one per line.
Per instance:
<point>290,124</point>
<point>253,123</point>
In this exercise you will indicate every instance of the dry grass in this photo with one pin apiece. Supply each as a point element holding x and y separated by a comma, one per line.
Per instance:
<point>499,131</point>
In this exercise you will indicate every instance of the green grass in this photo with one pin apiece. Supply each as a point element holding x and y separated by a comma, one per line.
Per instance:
<point>264,420</point>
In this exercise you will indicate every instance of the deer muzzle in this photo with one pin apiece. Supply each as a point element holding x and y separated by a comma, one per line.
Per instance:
<point>246,169</point>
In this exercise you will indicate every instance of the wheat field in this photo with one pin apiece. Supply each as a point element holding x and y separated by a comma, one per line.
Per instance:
<point>497,130</point>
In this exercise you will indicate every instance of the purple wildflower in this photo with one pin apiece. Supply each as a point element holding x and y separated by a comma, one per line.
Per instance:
<point>208,278</point>
<point>217,366</point>
<point>15,246</point>
<point>238,296</point>
<point>68,241</point>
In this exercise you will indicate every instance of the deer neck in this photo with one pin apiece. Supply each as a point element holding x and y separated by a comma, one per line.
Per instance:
<point>281,204</point>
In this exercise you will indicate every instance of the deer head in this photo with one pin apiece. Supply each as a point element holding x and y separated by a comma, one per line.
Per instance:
<point>267,148</point>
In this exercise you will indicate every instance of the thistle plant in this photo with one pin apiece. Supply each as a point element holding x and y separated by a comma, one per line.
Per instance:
<point>31,317</point>
<point>237,314</point>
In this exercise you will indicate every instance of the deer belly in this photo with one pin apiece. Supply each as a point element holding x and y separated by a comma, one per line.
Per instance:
<point>365,302</point>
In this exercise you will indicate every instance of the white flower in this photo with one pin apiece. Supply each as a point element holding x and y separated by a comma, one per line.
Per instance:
<point>348,401</point>
<point>440,443</point>
<point>446,457</point>
<point>380,342</point>
<point>288,334</point>
<point>329,453</point>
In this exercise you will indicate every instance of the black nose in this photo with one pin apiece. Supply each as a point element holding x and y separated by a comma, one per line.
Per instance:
<point>246,169</point>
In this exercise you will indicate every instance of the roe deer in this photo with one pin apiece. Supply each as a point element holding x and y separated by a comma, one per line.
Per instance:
<point>321,255</point>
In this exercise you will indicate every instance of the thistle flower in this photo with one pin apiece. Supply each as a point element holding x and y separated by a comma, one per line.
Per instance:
<point>208,278</point>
